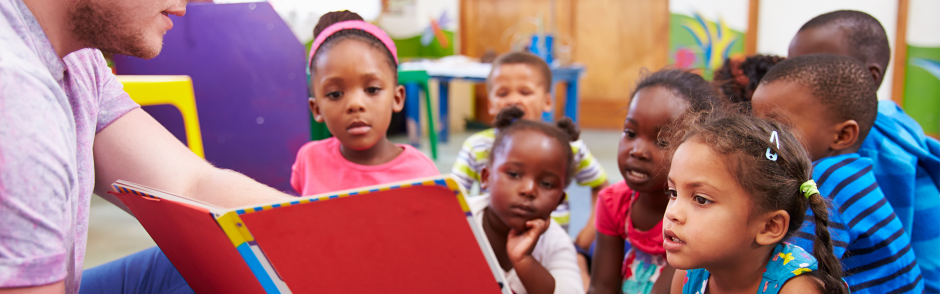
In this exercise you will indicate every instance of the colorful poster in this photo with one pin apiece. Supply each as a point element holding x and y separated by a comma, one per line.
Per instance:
<point>421,28</point>
<point>702,34</point>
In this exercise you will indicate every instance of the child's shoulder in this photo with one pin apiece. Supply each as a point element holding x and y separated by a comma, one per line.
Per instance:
<point>841,163</point>
<point>616,193</point>
<point>613,204</point>
<point>555,236</point>
<point>789,261</point>
<point>414,156</point>
<point>318,148</point>
<point>319,145</point>
<point>485,136</point>
<point>578,146</point>
<point>833,172</point>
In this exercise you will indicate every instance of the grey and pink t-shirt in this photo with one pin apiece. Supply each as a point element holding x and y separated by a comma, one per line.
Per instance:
<point>50,111</point>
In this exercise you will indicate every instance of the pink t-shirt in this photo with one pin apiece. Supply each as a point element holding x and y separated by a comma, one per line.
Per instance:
<point>50,111</point>
<point>321,168</point>
<point>613,212</point>
<point>646,253</point>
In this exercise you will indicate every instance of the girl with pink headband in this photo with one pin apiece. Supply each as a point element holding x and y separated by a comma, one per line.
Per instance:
<point>354,89</point>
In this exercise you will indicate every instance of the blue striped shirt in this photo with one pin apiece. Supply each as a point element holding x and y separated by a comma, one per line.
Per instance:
<point>907,168</point>
<point>875,250</point>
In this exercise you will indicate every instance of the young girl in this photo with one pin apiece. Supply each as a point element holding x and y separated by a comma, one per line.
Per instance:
<point>630,213</point>
<point>529,168</point>
<point>524,80</point>
<point>738,187</point>
<point>354,90</point>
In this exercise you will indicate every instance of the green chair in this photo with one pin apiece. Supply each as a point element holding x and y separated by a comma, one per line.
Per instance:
<point>416,82</point>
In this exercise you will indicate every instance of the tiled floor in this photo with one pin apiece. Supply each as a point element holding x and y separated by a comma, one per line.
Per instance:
<point>113,234</point>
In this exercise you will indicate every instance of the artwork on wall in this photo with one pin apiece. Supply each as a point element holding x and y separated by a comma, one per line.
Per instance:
<point>702,34</point>
<point>421,28</point>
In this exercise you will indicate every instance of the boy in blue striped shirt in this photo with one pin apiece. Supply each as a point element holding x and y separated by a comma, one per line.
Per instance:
<point>905,162</point>
<point>831,103</point>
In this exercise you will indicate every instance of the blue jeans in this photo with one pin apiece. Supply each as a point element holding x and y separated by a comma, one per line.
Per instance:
<point>148,271</point>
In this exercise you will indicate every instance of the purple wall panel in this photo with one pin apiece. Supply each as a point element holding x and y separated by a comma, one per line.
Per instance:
<point>250,85</point>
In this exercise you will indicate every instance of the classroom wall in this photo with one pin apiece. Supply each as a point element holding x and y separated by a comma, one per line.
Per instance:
<point>302,15</point>
<point>778,22</point>
<point>614,39</point>
<point>407,18</point>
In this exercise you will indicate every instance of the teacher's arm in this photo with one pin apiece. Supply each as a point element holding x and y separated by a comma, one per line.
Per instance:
<point>54,288</point>
<point>138,149</point>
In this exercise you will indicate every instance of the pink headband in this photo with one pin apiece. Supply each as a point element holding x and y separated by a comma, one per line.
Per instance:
<point>352,24</point>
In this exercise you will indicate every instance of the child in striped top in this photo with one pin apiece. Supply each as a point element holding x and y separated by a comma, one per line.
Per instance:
<point>524,80</point>
<point>830,101</point>
<point>905,161</point>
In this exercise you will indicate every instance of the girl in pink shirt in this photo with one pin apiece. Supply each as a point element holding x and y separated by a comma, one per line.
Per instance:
<point>630,213</point>
<point>354,90</point>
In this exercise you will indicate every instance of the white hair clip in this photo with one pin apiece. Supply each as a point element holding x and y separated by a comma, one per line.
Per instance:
<point>773,139</point>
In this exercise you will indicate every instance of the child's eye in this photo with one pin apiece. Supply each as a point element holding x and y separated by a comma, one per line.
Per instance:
<point>373,90</point>
<point>334,95</point>
<point>673,193</point>
<point>661,143</point>
<point>525,92</point>
<point>629,133</point>
<point>700,200</point>
<point>512,174</point>
<point>548,185</point>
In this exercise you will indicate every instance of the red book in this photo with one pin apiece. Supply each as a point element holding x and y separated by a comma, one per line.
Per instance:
<point>409,237</point>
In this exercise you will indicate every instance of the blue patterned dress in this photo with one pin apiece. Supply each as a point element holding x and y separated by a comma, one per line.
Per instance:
<point>788,261</point>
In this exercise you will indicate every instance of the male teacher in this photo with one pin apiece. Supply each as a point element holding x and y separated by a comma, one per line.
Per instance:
<point>68,129</point>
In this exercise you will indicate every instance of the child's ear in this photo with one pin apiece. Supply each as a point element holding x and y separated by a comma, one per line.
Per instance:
<point>877,73</point>
<point>315,110</point>
<point>846,135</point>
<point>484,178</point>
<point>549,105</point>
<point>773,228</point>
<point>398,102</point>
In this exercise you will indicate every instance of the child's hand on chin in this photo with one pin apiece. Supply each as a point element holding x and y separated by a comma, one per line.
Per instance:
<point>519,245</point>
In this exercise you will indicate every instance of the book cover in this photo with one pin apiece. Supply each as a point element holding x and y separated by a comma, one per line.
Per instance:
<point>417,237</point>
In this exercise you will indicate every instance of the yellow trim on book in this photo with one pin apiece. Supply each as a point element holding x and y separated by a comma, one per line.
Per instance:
<point>234,228</point>
<point>449,183</point>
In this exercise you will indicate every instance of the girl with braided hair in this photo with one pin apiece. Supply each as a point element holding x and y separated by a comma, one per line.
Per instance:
<point>739,186</point>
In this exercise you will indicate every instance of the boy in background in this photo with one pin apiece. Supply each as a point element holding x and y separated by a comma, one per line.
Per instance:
<point>830,102</point>
<point>524,80</point>
<point>906,163</point>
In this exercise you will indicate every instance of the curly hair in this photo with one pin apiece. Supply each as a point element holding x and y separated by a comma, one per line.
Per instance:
<point>509,121</point>
<point>691,87</point>
<point>737,79</point>
<point>840,83</point>
<point>745,142</point>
